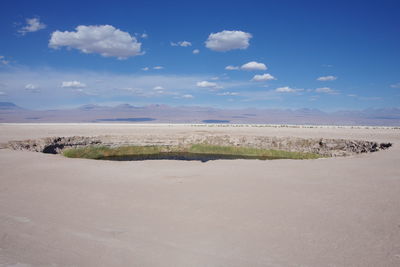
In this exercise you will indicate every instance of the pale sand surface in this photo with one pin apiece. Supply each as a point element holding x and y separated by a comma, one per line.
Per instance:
<point>56,211</point>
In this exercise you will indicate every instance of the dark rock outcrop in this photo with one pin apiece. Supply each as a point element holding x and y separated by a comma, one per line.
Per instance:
<point>53,145</point>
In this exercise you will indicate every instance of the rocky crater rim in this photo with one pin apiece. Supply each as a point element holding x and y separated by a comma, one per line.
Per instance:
<point>321,146</point>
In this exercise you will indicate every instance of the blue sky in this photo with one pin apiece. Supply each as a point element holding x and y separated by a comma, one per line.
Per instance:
<point>330,55</point>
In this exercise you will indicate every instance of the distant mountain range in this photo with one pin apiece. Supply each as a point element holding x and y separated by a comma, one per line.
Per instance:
<point>9,112</point>
<point>8,106</point>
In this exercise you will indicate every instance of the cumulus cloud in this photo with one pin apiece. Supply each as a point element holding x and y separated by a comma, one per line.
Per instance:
<point>158,88</point>
<point>145,68</point>
<point>188,96</point>
<point>326,78</point>
<point>228,40</point>
<point>325,90</point>
<point>102,39</point>
<point>3,60</point>
<point>32,25</point>
<point>32,88</point>
<point>253,65</point>
<point>106,85</point>
<point>131,89</point>
<point>230,67</point>
<point>182,43</point>
<point>207,84</point>
<point>196,51</point>
<point>396,85</point>
<point>228,94</point>
<point>287,89</point>
<point>144,36</point>
<point>158,67</point>
<point>264,77</point>
<point>73,84</point>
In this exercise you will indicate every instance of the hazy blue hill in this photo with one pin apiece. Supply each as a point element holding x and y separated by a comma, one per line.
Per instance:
<point>8,105</point>
<point>91,107</point>
<point>125,106</point>
<point>9,112</point>
<point>385,113</point>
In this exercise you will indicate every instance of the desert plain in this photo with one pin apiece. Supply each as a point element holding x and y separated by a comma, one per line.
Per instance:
<point>341,211</point>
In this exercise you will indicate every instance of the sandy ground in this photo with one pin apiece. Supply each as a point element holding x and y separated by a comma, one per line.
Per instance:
<point>56,211</point>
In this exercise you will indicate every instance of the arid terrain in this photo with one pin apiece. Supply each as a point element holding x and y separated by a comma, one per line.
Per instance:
<point>340,211</point>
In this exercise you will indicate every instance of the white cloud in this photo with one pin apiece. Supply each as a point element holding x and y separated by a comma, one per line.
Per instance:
<point>103,39</point>
<point>253,65</point>
<point>32,88</point>
<point>396,85</point>
<point>158,88</point>
<point>196,51</point>
<point>230,67</point>
<point>206,84</point>
<point>188,96</point>
<point>3,60</point>
<point>287,89</point>
<point>144,36</point>
<point>73,84</point>
<point>326,78</point>
<point>132,89</point>
<point>182,43</point>
<point>154,68</point>
<point>264,77</point>
<point>3,93</point>
<point>325,90</point>
<point>112,86</point>
<point>32,25</point>
<point>185,43</point>
<point>228,94</point>
<point>228,40</point>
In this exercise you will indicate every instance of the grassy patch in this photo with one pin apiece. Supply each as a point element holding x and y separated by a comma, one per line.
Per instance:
<point>249,151</point>
<point>98,152</point>
<point>102,152</point>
